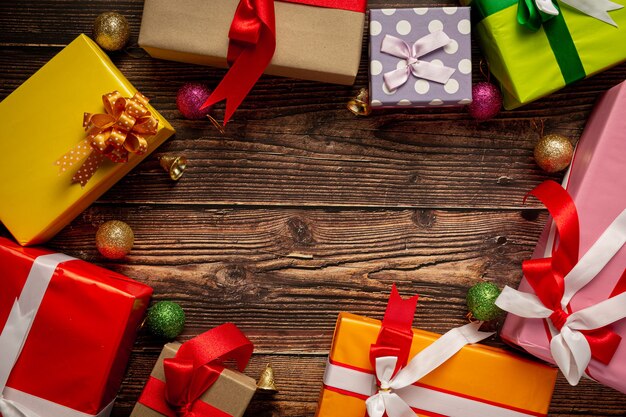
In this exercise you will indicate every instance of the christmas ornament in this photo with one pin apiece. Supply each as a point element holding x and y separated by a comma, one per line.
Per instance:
<point>554,153</point>
<point>266,381</point>
<point>111,31</point>
<point>481,300</point>
<point>174,165</point>
<point>165,319</point>
<point>114,239</point>
<point>360,105</point>
<point>486,101</point>
<point>190,98</point>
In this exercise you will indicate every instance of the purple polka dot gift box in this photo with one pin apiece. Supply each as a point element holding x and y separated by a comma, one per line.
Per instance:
<point>420,57</point>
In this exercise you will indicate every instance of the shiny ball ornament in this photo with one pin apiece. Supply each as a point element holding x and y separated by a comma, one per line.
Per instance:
<point>554,153</point>
<point>165,319</point>
<point>486,101</point>
<point>114,239</point>
<point>111,31</point>
<point>481,300</point>
<point>190,98</point>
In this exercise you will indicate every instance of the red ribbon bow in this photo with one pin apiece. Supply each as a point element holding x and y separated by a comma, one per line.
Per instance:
<point>547,275</point>
<point>396,334</point>
<point>196,366</point>
<point>252,42</point>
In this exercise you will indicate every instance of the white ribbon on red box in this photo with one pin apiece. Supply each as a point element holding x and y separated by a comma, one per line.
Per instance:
<point>14,403</point>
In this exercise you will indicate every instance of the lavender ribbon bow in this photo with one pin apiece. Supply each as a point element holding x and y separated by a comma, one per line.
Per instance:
<point>420,69</point>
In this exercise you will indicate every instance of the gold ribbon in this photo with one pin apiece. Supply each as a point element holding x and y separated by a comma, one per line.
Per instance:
<point>120,131</point>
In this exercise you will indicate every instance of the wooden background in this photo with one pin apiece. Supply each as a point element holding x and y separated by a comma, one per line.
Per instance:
<point>303,210</point>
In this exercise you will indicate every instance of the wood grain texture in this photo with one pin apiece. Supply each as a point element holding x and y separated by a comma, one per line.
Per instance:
<point>302,210</point>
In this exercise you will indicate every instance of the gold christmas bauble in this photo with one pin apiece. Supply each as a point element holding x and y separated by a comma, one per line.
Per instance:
<point>111,31</point>
<point>554,153</point>
<point>114,239</point>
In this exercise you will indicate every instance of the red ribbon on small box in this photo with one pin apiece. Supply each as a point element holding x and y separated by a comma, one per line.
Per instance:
<point>196,366</point>
<point>252,42</point>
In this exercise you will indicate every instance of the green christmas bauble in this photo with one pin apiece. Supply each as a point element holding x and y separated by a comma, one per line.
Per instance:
<point>165,319</point>
<point>481,299</point>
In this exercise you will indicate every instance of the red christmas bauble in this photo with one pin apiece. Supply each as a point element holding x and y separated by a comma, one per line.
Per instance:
<point>486,101</point>
<point>190,98</point>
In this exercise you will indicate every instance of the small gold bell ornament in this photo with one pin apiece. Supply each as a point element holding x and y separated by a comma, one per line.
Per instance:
<point>266,381</point>
<point>360,105</point>
<point>174,165</point>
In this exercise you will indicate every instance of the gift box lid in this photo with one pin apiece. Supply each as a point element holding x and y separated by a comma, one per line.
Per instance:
<point>411,25</point>
<point>41,121</point>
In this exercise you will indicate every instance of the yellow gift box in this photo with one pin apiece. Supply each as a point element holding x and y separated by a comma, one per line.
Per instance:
<point>513,386</point>
<point>41,121</point>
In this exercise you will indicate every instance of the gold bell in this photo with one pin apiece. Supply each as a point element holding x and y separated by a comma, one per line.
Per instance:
<point>266,381</point>
<point>174,165</point>
<point>360,105</point>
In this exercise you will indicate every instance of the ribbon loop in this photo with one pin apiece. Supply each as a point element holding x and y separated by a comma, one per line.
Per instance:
<point>388,400</point>
<point>114,135</point>
<point>532,14</point>
<point>412,54</point>
<point>579,336</point>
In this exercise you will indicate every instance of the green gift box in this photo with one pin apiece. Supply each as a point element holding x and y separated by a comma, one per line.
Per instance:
<point>531,64</point>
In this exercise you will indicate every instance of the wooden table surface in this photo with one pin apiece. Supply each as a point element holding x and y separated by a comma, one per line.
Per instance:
<point>302,210</point>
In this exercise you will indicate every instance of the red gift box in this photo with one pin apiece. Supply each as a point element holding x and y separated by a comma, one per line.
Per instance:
<point>77,322</point>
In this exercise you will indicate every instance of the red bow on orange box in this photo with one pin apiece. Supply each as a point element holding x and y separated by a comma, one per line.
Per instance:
<point>115,134</point>
<point>195,368</point>
<point>252,44</point>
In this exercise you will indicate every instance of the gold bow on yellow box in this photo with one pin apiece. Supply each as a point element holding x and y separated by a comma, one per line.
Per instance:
<point>120,131</point>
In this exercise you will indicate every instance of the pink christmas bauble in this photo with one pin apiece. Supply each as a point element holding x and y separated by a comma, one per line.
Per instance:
<point>486,101</point>
<point>190,98</point>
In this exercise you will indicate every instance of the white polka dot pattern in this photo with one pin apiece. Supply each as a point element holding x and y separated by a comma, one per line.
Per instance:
<point>375,28</point>
<point>435,26</point>
<point>376,67</point>
<point>403,27</point>
<point>409,25</point>
<point>464,26</point>
<point>465,66</point>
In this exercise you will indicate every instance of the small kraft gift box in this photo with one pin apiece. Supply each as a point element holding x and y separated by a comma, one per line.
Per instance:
<point>69,133</point>
<point>66,331</point>
<point>537,47</point>
<point>389,368</point>
<point>317,40</point>
<point>420,57</point>
<point>571,303</point>
<point>191,378</point>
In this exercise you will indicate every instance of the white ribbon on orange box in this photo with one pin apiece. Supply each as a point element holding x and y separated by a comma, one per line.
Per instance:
<point>397,396</point>
<point>14,403</point>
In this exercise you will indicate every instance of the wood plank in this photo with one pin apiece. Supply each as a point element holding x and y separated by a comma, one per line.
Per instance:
<point>254,265</point>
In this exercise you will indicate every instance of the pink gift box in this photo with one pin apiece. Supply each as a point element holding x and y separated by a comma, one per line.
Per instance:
<point>597,183</point>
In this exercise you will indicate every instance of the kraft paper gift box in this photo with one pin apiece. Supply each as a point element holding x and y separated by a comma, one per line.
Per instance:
<point>408,45</point>
<point>78,324</point>
<point>315,39</point>
<point>227,396</point>
<point>41,122</point>
<point>499,383</point>
<point>533,64</point>
<point>596,182</point>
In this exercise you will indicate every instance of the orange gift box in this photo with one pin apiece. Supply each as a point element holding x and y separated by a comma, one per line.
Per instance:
<point>513,386</point>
